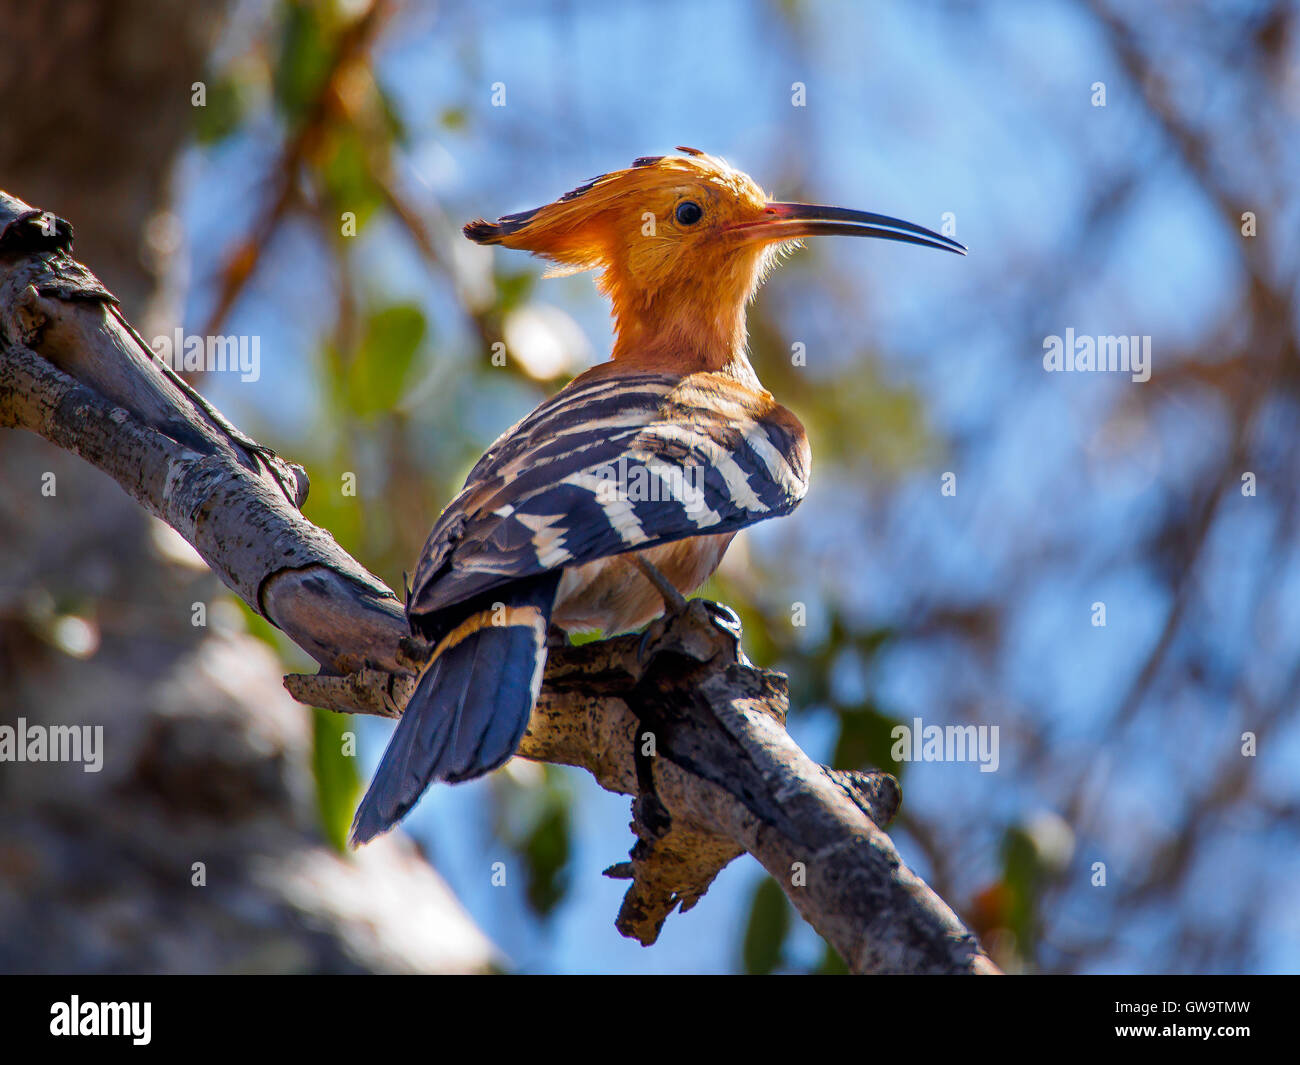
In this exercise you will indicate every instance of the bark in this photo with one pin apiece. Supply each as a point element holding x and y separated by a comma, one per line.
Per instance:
<point>679,719</point>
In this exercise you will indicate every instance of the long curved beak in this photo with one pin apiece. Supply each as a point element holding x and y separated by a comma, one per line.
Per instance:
<point>790,221</point>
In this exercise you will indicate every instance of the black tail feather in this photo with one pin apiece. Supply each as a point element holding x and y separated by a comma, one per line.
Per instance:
<point>470,707</point>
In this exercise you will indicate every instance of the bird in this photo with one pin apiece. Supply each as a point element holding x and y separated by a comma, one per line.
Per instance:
<point>618,495</point>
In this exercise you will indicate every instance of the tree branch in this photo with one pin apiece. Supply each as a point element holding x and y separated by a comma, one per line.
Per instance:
<point>680,720</point>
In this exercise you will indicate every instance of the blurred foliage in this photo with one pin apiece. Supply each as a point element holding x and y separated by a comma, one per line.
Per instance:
<point>865,741</point>
<point>347,179</point>
<point>768,926</point>
<point>334,764</point>
<point>546,851</point>
<point>534,820</point>
<point>338,784</point>
<point>855,416</point>
<point>372,381</point>
<point>223,111</point>
<point>832,964</point>
<point>305,49</point>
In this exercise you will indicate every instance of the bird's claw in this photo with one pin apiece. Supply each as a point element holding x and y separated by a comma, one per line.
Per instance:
<point>649,638</point>
<point>723,617</point>
<point>702,629</point>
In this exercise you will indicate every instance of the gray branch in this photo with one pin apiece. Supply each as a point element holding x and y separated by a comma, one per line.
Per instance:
<point>681,721</point>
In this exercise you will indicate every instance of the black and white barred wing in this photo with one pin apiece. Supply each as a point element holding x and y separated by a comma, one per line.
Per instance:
<point>608,467</point>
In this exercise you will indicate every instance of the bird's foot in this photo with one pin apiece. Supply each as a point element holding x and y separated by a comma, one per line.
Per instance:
<point>701,629</point>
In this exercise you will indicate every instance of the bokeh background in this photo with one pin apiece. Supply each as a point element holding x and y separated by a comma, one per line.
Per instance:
<point>1115,168</point>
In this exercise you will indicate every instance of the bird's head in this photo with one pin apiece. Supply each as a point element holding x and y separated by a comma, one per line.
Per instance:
<point>681,242</point>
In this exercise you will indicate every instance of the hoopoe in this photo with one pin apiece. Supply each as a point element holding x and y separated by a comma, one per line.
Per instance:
<point>546,531</point>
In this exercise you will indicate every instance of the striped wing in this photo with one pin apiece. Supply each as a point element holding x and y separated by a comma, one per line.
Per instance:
<point>610,465</point>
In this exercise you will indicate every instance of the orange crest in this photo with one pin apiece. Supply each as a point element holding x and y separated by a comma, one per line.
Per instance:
<point>681,241</point>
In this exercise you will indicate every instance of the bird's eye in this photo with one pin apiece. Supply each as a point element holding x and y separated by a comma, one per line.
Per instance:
<point>689,212</point>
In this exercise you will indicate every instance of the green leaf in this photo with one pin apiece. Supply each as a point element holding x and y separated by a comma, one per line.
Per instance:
<point>259,627</point>
<point>865,741</point>
<point>347,177</point>
<point>304,57</point>
<point>222,113</point>
<point>1022,875</point>
<point>453,118</point>
<point>338,784</point>
<point>328,507</point>
<point>546,853</point>
<point>392,117</point>
<point>513,290</point>
<point>377,377</point>
<point>832,964</point>
<point>769,923</point>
